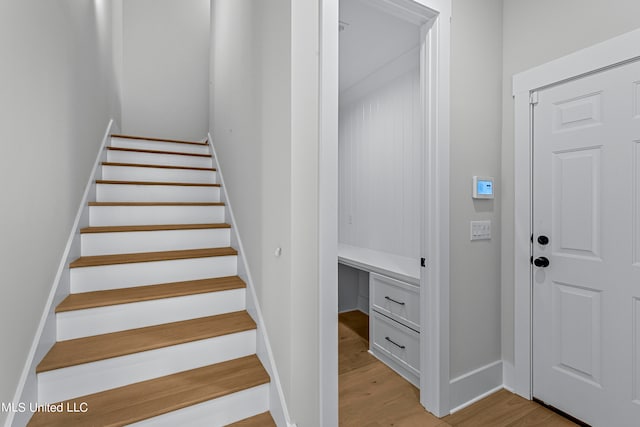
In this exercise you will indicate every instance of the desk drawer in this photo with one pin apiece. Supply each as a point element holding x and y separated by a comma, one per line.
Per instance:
<point>398,300</point>
<point>399,343</point>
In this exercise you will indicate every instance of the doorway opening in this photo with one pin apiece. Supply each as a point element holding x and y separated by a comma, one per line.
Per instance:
<point>393,186</point>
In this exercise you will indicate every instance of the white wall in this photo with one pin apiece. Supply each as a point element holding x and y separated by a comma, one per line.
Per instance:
<point>476,84</point>
<point>57,95</point>
<point>535,33</point>
<point>380,150</point>
<point>166,68</point>
<point>353,289</point>
<point>264,97</point>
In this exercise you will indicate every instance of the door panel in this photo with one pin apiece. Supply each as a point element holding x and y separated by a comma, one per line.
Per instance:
<point>577,113</point>
<point>577,334</point>
<point>586,198</point>
<point>576,204</point>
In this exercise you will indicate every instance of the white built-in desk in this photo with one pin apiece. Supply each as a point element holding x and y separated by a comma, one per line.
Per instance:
<point>394,307</point>
<point>390,265</point>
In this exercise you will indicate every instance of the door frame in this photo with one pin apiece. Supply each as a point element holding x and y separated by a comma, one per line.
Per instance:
<point>434,295</point>
<point>610,53</point>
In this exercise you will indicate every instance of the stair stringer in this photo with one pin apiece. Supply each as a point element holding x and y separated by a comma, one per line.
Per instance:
<point>277,404</point>
<point>45,337</point>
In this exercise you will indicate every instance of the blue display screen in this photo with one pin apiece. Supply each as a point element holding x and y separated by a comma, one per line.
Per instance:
<point>485,187</point>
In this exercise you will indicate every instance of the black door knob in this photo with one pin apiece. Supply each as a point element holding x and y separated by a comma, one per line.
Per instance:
<point>541,262</point>
<point>543,240</point>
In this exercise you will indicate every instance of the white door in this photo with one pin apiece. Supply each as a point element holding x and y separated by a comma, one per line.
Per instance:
<point>586,302</point>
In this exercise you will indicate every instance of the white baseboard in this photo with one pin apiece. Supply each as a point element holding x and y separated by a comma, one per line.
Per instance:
<point>475,385</point>
<point>347,310</point>
<point>509,375</point>
<point>45,336</point>
<point>277,405</point>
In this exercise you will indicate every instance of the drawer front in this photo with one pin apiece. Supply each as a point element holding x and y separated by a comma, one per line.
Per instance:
<point>396,299</point>
<point>396,341</point>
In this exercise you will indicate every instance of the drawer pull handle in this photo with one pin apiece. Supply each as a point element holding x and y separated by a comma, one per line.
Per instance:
<point>394,343</point>
<point>392,300</point>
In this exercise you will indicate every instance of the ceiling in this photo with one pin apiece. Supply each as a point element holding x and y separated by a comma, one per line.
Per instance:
<point>371,38</point>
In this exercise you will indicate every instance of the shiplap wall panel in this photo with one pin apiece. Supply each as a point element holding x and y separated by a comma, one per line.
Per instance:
<point>380,154</point>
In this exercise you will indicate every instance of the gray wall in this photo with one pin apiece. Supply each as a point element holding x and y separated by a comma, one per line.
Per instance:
<point>476,87</point>
<point>165,74</point>
<point>57,95</point>
<point>536,32</point>
<point>263,122</point>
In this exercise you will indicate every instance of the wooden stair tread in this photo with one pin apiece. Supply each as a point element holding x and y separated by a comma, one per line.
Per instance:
<point>146,138</point>
<point>162,227</point>
<point>139,401</point>
<point>156,203</point>
<point>99,260</point>
<point>140,150</point>
<point>183,184</point>
<point>96,299</point>
<point>261,420</point>
<point>142,165</point>
<point>106,346</point>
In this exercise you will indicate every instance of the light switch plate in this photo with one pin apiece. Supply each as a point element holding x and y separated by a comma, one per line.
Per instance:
<point>480,230</point>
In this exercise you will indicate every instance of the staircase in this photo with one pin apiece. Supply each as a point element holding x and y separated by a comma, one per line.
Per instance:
<point>154,332</point>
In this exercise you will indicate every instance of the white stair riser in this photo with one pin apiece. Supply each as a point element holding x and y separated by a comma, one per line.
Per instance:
<point>153,241</point>
<point>117,156</point>
<point>156,193</point>
<point>132,173</point>
<point>102,320</point>
<point>154,215</point>
<point>219,412</point>
<point>142,144</point>
<point>67,383</point>
<point>88,279</point>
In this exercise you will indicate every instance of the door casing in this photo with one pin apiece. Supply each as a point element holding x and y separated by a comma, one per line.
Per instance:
<point>613,52</point>
<point>434,295</point>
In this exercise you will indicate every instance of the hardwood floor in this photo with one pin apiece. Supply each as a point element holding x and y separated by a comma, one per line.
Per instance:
<point>372,395</point>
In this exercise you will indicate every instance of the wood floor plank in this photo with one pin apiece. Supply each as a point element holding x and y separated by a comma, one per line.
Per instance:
<point>162,227</point>
<point>136,402</point>
<point>176,153</point>
<point>262,420</point>
<point>99,347</point>
<point>148,293</point>
<point>143,165</point>
<point>354,350</point>
<point>146,138</point>
<point>177,184</point>
<point>156,203</point>
<point>541,417</point>
<point>357,321</point>
<point>503,409</point>
<point>98,260</point>
<point>372,395</point>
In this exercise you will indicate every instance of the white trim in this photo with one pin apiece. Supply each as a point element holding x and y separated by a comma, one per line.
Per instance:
<point>508,375</point>
<point>475,385</point>
<point>280,412</point>
<point>46,333</point>
<point>434,294</point>
<point>328,214</point>
<point>625,47</point>
<point>435,57</point>
<point>612,52</point>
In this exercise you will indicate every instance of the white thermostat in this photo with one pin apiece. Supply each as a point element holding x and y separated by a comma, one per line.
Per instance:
<point>483,187</point>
